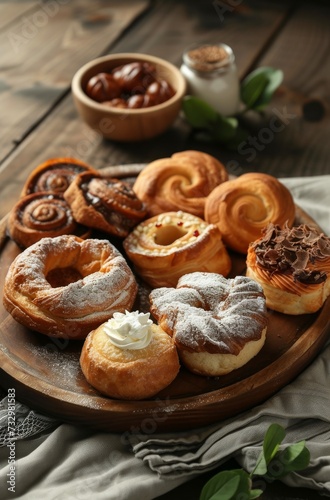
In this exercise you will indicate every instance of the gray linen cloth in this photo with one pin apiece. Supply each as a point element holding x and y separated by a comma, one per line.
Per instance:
<point>60,461</point>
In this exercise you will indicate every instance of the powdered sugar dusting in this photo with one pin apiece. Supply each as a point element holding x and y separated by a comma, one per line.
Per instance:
<point>207,312</point>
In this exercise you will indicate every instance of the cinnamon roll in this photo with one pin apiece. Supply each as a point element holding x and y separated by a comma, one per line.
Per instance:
<point>242,207</point>
<point>293,267</point>
<point>181,182</point>
<point>104,203</point>
<point>40,215</point>
<point>54,175</point>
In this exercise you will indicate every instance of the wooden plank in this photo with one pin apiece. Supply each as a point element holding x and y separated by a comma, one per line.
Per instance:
<point>41,51</point>
<point>10,9</point>
<point>63,133</point>
<point>298,143</point>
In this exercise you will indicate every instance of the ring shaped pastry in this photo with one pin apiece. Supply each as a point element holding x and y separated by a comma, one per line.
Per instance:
<point>166,246</point>
<point>54,175</point>
<point>217,324</point>
<point>41,215</point>
<point>293,267</point>
<point>105,203</point>
<point>242,207</point>
<point>181,182</point>
<point>66,286</point>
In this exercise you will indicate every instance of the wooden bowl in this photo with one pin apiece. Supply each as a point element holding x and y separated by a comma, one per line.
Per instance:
<point>128,124</point>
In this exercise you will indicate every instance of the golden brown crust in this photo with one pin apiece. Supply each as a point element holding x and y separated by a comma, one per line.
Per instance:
<point>66,286</point>
<point>127,374</point>
<point>217,324</point>
<point>181,182</point>
<point>242,207</point>
<point>104,203</point>
<point>54,175</point>
<point>285,294</point>
<point>165,247</point>
<point>42,215</point>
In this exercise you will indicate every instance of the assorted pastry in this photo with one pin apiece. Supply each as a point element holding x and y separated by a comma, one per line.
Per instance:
<point>217,324</point>
<point>293,267</point>
<point>181,182</point>
<point>66,286</point>
<point>167,246</point>
<point>103,203</point>
<point>242,207</point>
<point>129,357</point>
<point>88,241</point>
<point>40,215</point>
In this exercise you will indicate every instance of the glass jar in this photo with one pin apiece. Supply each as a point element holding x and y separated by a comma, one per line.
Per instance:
<point>211,75</point>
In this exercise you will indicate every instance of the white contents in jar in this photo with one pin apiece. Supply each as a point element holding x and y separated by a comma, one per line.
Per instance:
<point>211,75</point>
<point>131,330</point>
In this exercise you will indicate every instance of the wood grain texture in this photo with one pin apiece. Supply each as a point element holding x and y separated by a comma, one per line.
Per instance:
<point>42,48</point>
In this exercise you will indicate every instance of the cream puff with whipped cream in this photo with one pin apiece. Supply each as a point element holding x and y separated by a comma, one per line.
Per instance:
<point>129,357</point>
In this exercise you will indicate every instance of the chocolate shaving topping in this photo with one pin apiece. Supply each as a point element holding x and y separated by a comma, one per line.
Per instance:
<point>293,250</point>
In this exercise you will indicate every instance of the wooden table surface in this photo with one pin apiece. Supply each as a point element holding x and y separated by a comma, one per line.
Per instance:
<point>44,43</point>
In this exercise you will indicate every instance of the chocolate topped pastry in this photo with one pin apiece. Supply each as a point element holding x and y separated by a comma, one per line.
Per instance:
<point>293,266</point>
<point>105,203</point>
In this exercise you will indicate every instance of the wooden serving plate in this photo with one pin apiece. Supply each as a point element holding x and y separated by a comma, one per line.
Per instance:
<point>46,375</point>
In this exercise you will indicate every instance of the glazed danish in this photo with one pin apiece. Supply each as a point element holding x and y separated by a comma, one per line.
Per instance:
<point>166,246</point>
<point>217,324</point>
<point>65,286</point>
<point>181,182</point>
<point>242,207</point>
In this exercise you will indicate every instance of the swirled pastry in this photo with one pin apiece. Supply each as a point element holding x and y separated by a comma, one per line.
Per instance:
<point>129,358</point>
<point>40,215</point>
<point>293,267</point>
<point>66,287</point>
<point>242,207</point>
<point>168,245</point>
<point>54,175</point>
<point>217,324</point>
<point>181,182</point>
<point>104,203</point>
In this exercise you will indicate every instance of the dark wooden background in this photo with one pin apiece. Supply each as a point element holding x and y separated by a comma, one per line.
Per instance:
<point>43,43</point>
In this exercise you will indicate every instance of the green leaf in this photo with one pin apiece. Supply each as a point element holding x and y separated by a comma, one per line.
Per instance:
<point>293,458</point>
<point>224,129</point>
<point>198,113</point>
<point>227,485</point>
<point>273,438</point>
<point>259,86</point>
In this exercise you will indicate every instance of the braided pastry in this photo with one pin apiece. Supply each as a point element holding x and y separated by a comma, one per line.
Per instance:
<point>181,182</point>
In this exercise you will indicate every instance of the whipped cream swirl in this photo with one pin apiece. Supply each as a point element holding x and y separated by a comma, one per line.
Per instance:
<point>130,330</point>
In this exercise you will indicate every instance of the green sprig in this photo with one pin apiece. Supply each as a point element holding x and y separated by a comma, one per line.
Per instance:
<point>272,463</point>
<point>256,92</point>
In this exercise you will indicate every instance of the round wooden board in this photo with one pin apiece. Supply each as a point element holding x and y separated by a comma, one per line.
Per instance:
<point>46,375</point>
